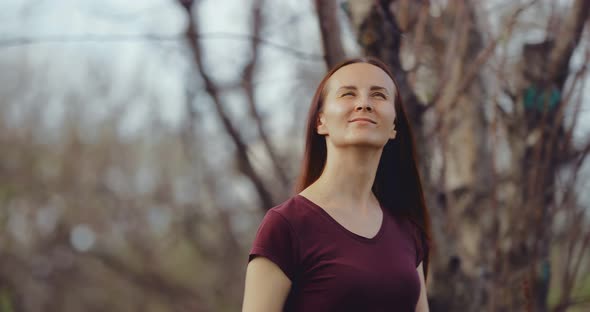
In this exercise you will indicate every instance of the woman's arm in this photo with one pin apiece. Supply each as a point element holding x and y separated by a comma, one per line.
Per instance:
<point>266,287</point>
<point>422,305</point>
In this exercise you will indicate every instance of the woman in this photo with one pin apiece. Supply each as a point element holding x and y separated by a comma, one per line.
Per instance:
<point>356,236</point>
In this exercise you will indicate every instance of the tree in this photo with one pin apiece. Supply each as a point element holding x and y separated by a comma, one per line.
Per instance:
<point>493,231</point>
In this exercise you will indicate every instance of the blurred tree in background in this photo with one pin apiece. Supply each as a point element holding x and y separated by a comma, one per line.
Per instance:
<point>97,217</point>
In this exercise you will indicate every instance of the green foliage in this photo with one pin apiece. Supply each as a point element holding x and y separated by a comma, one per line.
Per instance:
<point>5,301</point>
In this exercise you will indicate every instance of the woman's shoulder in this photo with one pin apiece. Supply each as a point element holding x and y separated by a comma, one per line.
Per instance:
<point>407,225</point>
<point>293,210</point>
<point>415,232</point>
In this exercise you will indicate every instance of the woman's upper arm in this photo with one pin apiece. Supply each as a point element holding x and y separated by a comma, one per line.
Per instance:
<point>422,305</point>
<point>266,287</point>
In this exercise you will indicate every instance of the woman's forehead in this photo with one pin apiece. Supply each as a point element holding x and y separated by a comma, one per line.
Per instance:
<point>361,75</point>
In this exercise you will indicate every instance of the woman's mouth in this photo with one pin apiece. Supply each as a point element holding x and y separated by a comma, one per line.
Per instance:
<point>363,120</point>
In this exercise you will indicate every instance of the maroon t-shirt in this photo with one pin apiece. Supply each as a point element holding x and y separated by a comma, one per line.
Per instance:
<point>334,269</point>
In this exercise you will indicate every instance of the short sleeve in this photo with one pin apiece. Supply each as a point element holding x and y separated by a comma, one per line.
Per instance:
<point>421,247</point>
<point>276,241</point>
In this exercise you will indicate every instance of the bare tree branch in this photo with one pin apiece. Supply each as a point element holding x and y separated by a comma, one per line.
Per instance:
<point>568,39</point>
<point>248,86</point>
<point>483,56</point>
<point>327,11</point>
<point>241,148</point>
<point>418,42</point>
<point>569,277</point>
<point>140,38</point>
<point>580,75</point>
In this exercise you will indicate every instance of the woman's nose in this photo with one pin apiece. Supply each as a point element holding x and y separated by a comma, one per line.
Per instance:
<point>364,105</point>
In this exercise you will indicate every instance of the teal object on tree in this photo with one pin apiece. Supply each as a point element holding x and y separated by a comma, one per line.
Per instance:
<point>535,99</point>
<point>530,96</point>
<point>554,98</point>
<point>545,271</point>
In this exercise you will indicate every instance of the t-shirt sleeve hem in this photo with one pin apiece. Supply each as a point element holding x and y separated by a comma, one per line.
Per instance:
<point>420,244</point>
<point>422,249</point>
<point>261,252</point>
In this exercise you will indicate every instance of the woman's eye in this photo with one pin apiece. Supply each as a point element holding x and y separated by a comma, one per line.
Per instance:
<point>380,94</point>
<point>348,93</point>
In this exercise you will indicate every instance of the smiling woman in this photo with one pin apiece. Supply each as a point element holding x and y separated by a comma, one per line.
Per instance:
<point>356,235</point>
<point>358,94</point>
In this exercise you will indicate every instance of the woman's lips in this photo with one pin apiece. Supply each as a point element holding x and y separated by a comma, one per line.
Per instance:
<point>363,119</point>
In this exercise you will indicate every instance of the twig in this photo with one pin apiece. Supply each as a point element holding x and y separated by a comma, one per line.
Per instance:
<point>241,147</point>
<point>247,85</point>
<point>8,42</point>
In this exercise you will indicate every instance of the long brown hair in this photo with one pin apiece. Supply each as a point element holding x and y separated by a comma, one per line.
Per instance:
<point>397,183</point>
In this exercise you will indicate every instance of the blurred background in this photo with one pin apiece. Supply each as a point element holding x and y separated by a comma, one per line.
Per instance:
<point>141,142</point>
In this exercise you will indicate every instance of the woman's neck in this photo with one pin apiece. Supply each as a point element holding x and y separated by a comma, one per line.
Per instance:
<point>347,179</point>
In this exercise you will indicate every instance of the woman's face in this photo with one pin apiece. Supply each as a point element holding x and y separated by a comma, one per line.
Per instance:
<point>358,107</point>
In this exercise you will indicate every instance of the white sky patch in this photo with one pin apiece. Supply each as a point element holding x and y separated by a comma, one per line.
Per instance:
<point>82,237</point>
<point>149,77</point>
<point>143,73</point>
<point>77,66</point>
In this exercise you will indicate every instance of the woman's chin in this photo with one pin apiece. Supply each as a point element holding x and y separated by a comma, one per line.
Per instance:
<point>365,142</point>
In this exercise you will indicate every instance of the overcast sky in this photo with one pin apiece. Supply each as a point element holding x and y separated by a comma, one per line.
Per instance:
<point>157,70</point>
<point>158,67</point>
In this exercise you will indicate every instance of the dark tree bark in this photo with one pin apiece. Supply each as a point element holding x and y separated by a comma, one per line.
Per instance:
<point>327,11</point>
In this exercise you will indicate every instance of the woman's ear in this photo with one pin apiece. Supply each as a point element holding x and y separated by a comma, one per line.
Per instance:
<point>393,133</point>
<point>321,125</point>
